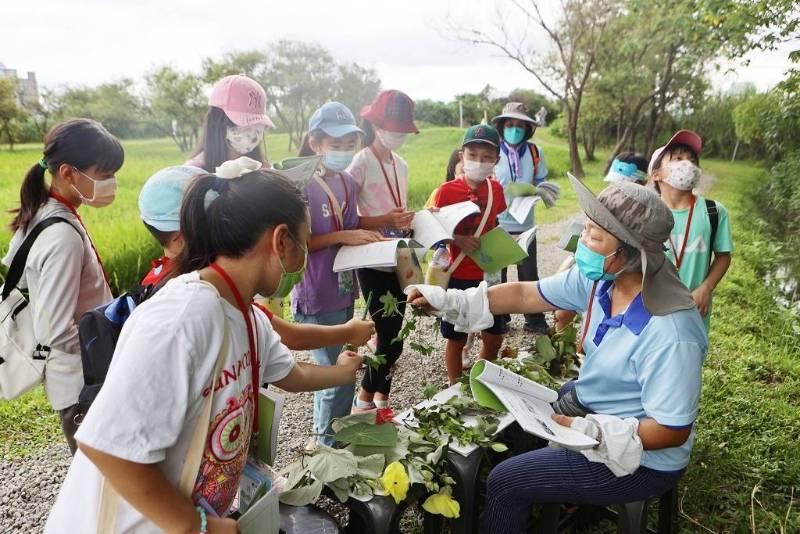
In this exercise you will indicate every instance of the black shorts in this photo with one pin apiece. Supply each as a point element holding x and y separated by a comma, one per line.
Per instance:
<point>448,330</point>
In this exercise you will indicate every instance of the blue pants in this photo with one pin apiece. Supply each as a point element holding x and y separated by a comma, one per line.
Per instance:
<point>332,402</point>
<point>550,475</point>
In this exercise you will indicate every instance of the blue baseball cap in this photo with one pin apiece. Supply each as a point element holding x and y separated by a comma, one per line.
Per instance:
<point>335,120</point>
<point>161,196</point>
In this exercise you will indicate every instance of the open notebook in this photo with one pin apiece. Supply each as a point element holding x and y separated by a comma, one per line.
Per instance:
<point>526,400</point>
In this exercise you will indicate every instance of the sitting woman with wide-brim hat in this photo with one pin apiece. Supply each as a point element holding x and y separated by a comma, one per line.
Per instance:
<point>639,387</point>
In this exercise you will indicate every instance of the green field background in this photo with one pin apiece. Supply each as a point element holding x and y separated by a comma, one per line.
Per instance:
<point>127,248</point>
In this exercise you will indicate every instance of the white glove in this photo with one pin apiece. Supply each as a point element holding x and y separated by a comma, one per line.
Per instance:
<point>619,448</point>
<point>548,192</point>
<point>467,310</point>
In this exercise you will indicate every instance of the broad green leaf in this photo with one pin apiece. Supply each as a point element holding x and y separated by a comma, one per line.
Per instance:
<point>329,464</point>
<point>415,475</point>
<point>371,466</point>
<point>545,349</point>
<point>350,420</point>
<point>366,434</point>
<point>303,495</point>
<point>340,488</point>
<point>294,473</point>
<point>435,457</point>
<point>389,453</point>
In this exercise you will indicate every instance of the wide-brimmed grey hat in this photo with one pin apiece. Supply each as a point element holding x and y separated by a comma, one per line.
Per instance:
<point>515,110</point>
<point>638,217</point>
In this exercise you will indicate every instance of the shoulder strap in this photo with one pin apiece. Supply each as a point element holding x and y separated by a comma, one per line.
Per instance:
<point>713,218</point>
<point>109,498</point>
<point>334,201</point>
<point>481,226</point>
<point>21,256</point>
<point>536,158</point>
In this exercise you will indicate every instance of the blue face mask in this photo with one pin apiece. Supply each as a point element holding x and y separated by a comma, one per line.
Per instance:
<point>513,134</point>
<point>337,161</point>
<point>592,264</point>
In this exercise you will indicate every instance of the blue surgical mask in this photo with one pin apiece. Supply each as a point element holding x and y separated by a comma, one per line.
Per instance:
<point>337,161</point>
<point>592,264</point>
<point>513,134</point>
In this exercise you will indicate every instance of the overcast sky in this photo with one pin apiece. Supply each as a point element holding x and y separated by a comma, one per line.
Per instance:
<point>406,41</point>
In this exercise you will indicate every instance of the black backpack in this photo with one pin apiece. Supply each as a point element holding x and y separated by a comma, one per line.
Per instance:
<point>98,333</point>
<point>713,218</point>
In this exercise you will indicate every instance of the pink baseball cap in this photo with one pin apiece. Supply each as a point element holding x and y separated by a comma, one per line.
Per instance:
<point>682,137</point>
<point>242,99</point>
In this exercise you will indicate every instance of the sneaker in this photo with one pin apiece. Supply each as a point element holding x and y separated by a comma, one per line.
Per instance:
<point>360,406</point>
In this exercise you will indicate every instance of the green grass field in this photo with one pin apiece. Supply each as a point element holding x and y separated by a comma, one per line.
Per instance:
<point>745,461</point>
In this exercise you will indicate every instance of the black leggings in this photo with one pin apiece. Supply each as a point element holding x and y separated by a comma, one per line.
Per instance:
<point>378,282</point>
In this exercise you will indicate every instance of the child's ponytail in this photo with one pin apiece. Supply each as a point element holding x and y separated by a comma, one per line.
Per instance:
<point>227,216</point>
<point>82,143</point>
<point>197,250</point>
<point>32,194</point>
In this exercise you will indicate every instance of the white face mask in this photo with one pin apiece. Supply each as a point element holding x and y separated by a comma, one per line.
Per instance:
<point>477,171</point>
<point>243,139</point>
<point>682,175</point>
<point>103,191</point>
<point>392,140</point>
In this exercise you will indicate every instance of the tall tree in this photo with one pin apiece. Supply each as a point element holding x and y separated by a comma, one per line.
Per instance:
<point>653,56</point>
<point>298,77</point>
<point>10,112</point>
<point>565,68</point>
<point>176,103</point>
<point>114,104</point>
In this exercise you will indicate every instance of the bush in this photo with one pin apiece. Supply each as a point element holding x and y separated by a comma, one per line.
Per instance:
<point>779,199</point>
<point>558,129</point>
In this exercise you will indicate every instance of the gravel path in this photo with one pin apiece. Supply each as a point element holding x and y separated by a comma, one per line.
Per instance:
<point>28,486</point>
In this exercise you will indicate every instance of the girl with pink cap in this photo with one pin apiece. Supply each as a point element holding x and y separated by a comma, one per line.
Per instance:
<point>235,124</point>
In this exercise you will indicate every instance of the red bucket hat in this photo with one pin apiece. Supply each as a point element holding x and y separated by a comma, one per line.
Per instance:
<point>391,110</point>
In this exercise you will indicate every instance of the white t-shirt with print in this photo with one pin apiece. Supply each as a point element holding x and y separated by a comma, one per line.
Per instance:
<point>374,197</point>
<point>153,394</point>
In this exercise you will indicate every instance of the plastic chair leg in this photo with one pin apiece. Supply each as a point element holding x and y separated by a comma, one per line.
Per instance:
<point>632,518</point>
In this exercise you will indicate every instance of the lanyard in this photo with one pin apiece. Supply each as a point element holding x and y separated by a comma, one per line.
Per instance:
<point>588,318</point>
<point>254,364</point>
<point>397,199</point>
<point>71,208</point>
<point>679,257</point>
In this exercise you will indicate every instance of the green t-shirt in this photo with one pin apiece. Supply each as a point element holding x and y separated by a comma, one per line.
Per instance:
<point>697,254</point>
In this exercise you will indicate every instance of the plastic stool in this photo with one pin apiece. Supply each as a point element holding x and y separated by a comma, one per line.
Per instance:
<point>631,517</point>
<point>307,520</point>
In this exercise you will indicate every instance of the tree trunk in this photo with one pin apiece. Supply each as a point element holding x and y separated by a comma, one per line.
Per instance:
<point>576,167</point>
<point>589,144</point>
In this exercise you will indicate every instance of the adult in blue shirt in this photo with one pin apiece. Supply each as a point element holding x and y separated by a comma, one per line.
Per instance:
<point>644,343</point>
<point>521,161</point>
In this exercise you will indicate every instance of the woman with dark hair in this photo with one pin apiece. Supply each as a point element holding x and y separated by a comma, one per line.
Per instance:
<point>63,272</point>
<point>167,439</point>
<point>235,124</point>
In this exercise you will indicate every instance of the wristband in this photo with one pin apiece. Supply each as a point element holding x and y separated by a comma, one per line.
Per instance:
<point>203,520</point>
